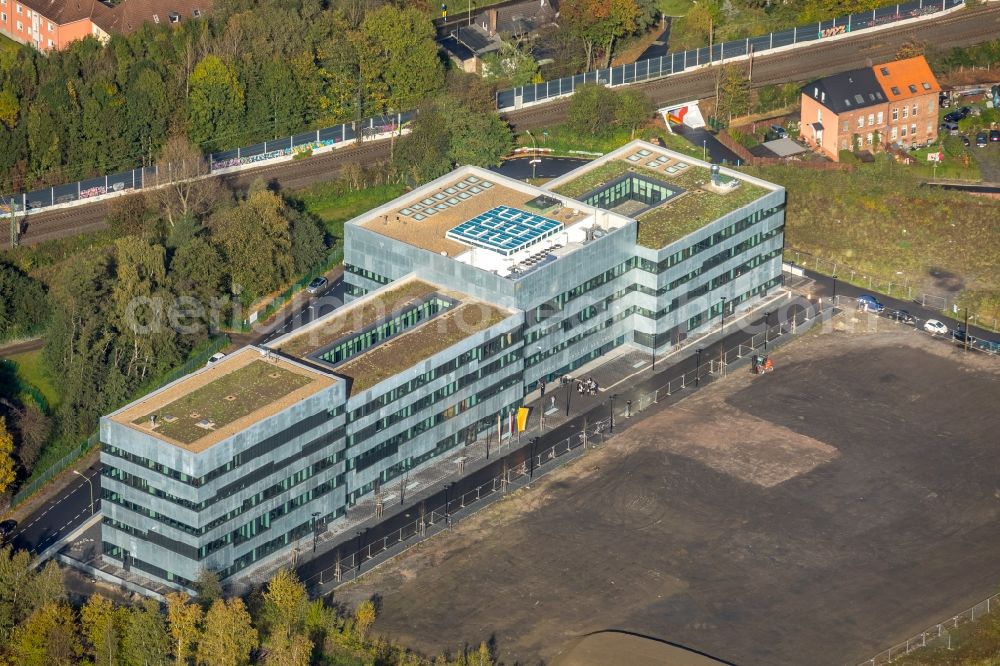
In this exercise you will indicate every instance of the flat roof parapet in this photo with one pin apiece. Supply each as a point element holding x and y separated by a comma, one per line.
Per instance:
<point>222,399</point>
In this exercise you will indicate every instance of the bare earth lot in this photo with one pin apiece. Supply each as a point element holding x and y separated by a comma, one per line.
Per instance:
<point>811,516</point>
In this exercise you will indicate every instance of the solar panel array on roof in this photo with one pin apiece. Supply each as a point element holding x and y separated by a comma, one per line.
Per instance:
<point>505,230</point>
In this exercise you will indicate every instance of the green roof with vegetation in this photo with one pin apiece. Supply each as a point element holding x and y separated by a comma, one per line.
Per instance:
<point>392,357</point>
<point>355,318</point>
<point>678,217</point>
<point>224,400</point>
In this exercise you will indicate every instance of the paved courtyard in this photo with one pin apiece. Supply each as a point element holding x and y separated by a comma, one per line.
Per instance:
<point>810,516</point>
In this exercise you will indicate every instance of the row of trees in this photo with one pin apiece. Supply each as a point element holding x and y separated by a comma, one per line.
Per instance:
<point>252,71</point>
<point>118,315</point>
<point>277,626</point>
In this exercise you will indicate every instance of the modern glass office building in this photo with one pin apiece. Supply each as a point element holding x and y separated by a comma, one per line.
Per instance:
<point>465,292</point>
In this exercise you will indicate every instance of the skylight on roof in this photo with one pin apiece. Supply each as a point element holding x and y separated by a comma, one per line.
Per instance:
<point>926,85</point>
<point>847,102</point>
<point>859,99</point>
<point>885,71</point>
<point>913,88</point>
<point>895,90</point>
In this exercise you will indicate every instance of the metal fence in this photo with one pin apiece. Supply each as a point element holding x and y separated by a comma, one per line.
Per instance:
<point>643,70</point>
<point>939,635</point>
<point>675,63</point>
<point>899,286</point>
<point>148,177</point>
<point>195,362</point>
<point>520,465</point>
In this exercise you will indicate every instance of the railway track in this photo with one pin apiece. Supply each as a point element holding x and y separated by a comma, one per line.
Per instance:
<point>958,29</point>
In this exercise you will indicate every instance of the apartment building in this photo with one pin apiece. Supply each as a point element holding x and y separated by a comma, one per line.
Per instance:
<point>892,104</point>
<point>53,24</point>
<point>844,111</point>
<point>465,293</point>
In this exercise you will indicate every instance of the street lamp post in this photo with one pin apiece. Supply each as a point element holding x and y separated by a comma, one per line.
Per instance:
<point>568,381</point>
<point>697,367</point>
<point>612,428</point>
<point>767,327</point>
<point>315,516</point>
<point>704,150</point>
<point>531,460</point>
<point>722,329</point>
<point>534,150</point>
<point>91,484</point>
<point>834,299</point>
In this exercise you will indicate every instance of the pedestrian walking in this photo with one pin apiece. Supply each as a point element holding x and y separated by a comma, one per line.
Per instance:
<point>541,387</point>
<point>628,409</point>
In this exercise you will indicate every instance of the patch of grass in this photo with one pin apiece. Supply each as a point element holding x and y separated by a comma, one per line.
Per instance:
<point>970,644</point>
<point>880,220</point>
<point>31,370</point>
<point>958,161</point>
<point>387,360</point>
<point>224,400</point>
<point>334,204</point>
<point>676,218</point>
<point>674,7</point>
<point>356,317</point>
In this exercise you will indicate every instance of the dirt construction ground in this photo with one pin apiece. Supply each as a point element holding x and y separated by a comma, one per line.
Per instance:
<point>815,516</point>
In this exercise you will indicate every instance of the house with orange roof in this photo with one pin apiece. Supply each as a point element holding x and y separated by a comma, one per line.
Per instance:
<point>912,91</point>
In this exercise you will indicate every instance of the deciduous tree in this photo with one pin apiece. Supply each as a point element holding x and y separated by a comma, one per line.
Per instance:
<point>364,618</point>
<point>47,638</point>
<point>256,245</point>
<point>184,620</point>
<point>7,474</point>
<point>215,104</point>
<point>146,642</point>
<point>592,110</point>
<point>184,193</point>
<point>228,636</point>
<point>102,625</point>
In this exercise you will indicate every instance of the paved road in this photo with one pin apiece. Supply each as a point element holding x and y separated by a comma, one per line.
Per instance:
<point>958,29</point>
<point>21,347</point>
<point>660,45</point>
<point>824,288</point>
<point>60,516</point>
<point>547,167</point>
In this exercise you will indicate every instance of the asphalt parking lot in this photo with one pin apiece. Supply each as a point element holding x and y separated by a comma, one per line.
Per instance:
<point>814,515</point>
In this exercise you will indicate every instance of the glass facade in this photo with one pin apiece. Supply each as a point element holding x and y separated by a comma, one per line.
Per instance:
<point>631,187</point>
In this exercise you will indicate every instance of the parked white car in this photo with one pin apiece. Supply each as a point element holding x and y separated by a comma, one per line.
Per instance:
<point>216,357</point>
<point>935,327</point>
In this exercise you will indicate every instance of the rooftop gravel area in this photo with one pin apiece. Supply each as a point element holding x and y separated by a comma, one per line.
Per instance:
<point>678,217</point>
<point>353,318</point>
<point>429,233</point>
<point>435,335</point>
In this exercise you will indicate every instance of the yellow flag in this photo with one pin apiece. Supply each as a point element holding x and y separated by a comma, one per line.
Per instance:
<point>522,419</point>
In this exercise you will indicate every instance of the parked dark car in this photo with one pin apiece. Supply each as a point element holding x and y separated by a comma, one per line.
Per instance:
<point>869,303</point>
<point>953,117</point>
<point>902,316</point>
<point>994,135</point>
<point>965,141</point>
<point>981,140</point>
<point>959,335</point>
